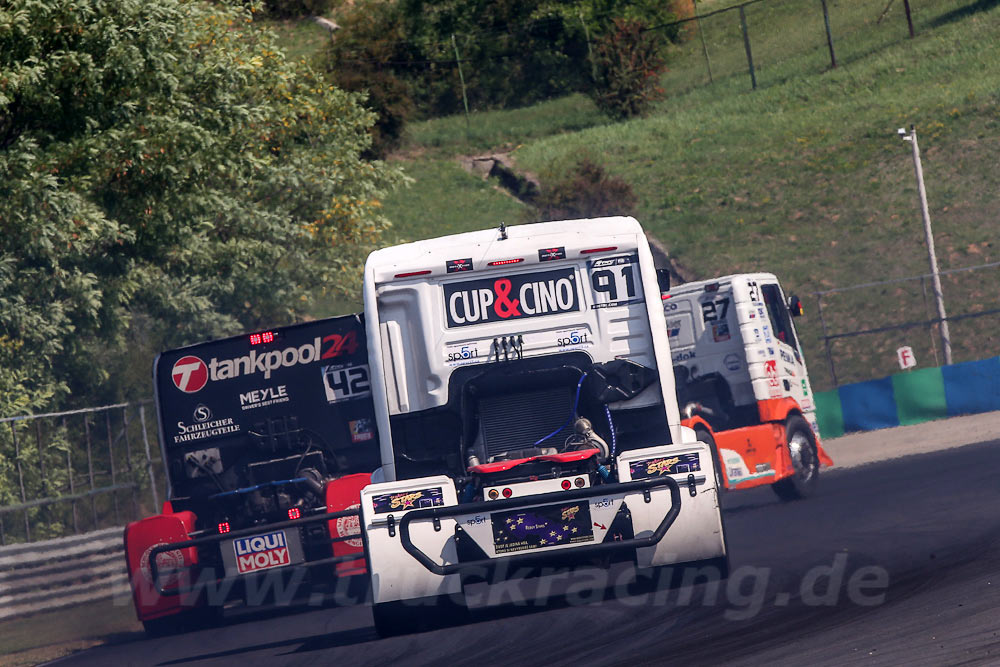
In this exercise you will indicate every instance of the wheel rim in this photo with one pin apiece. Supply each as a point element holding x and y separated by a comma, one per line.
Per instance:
<point>800,449</point>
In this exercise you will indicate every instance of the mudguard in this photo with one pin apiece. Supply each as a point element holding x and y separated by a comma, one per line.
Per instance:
<point>345,494</point>
<point>140,539</point>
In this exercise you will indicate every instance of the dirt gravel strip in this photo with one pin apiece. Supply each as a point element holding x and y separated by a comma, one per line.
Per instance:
<point>864,447</point>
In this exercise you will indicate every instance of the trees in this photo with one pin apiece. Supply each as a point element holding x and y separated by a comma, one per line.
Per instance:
<point>165,175</point>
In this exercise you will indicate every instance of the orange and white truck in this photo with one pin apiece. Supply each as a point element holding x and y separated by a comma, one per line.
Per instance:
<point>742,383</point>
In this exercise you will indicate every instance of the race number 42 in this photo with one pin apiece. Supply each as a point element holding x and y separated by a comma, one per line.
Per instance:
<point>344,383</point>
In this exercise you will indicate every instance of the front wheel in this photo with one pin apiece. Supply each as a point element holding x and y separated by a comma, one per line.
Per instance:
<point>801,444</point>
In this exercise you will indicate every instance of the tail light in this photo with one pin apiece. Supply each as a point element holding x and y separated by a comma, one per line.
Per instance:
<point>294,513</point>
<point>566,485</point>
<point>223,528</point>
<point>507,493</point>
<point>494,494</point>
<point>579,482</point>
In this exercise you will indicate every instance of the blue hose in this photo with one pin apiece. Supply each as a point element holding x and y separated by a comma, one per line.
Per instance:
<point>576,402</point>
<point>611,427</point>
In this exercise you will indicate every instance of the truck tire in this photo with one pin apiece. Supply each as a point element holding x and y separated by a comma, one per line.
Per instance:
<point>705,436</point>
<point>801,445</point>
<point>419,615</point>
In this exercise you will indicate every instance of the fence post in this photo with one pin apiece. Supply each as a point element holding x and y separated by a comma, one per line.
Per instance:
<point>909,18</point>
<point>826,340</point>
<point>111,464</point>
<point>72,484</point>
<point>20,480</point>
<point>829,35</point>
<point>461,77</point>
<point>704,46</point>
<point>90,469</point>
<point>149,459</point>
<point>930,323</point>
<point>746,45</point>
<point>128,463</point>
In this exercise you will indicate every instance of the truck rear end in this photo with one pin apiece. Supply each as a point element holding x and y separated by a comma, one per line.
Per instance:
<point>267,439</point>
<point>517,381</point>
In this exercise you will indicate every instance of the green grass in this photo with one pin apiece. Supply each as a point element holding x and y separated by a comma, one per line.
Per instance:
<point>300,38</point>
<point>65,631</point>
<point>804,177</point>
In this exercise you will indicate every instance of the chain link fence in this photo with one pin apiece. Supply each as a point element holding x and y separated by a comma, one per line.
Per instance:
<point>67,473</point>
<point>854,332</point>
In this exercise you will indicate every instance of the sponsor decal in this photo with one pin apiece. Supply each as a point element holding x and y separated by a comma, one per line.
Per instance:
<point>407,500</point>
<point>457,265</point>
<point>519,296</point>
<point>720,332</point>
<point>550,254</point>
<point>614,281</point>
<point>754,291</point>
<point>787,358</point>
<point>350,525</point>
<point>673,328</point>
<point>683,356</point>
<point>805,387</point>
<point>788,371</point>
<point>345,382</point>
<point>572,339</point>
<point>210,428</point>
<point>202,413</point>
<point>767,334</point>
<point>732,362</point>
<point>763,467</point>
<point>461,355</point>
<point>362,430</point>
<point>477,520</point>
<point>665,465</point>
<point>189,374</point>
<point>771,370</point>
<point>167,562</point>
<point>261,552</point>
<point>670,306</point>
<point>539,527</point>
<point>261,398</point>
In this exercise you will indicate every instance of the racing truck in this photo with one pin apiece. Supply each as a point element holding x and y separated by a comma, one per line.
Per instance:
<point>527,416</point>
<point>267,439</point>
<point>742,384</point>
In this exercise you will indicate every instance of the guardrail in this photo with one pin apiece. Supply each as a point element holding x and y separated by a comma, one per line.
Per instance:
<point>42,576</point>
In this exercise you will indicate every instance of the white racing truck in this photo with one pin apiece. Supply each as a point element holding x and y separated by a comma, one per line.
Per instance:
<point>527,416</point>
<point>742,383</point>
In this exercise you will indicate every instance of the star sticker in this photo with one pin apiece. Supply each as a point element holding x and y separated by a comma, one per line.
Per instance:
<point>552,533</point>
<point>574,529</point>
<point>544,541</point>
<point>510,521</point>
<point>559,537</point>
<point>520,520</point>
<point>565,528</point>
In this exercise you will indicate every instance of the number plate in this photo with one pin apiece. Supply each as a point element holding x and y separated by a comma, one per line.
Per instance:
<point>267,551</point>
<point>540,527</point>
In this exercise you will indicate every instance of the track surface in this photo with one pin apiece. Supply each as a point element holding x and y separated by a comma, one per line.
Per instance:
<point>920,534</point>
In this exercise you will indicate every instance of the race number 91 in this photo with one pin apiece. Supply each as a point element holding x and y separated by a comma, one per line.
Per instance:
<point>615,281</point>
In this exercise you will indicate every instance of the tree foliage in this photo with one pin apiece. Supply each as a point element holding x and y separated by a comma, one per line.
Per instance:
<point>512,52</point>
<point>627,69</point>
<point>166,175</point>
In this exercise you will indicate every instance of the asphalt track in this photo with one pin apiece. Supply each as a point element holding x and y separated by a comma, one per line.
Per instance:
<point>892,563</point>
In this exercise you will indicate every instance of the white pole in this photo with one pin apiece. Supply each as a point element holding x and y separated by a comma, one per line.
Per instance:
<point>929,236</point>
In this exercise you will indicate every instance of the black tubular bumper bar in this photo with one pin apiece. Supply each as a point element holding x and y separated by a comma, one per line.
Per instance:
<point>438,513</point>
<point>154,570</point>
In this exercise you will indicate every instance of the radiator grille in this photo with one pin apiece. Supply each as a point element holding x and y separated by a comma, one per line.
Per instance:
<point>517,421</point>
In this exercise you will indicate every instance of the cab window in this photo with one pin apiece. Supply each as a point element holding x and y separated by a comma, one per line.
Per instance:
<point>780,319</point>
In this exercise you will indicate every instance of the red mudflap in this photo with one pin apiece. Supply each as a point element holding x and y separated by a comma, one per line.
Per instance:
<point>140,539</point>
<point>345,494</point>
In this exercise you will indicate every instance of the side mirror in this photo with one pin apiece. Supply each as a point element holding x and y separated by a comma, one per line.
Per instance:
<point>795,306</point>
<point>663,280</point>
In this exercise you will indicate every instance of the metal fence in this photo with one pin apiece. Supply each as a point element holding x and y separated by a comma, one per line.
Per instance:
<point>65,473</point>
<point>858,329</point>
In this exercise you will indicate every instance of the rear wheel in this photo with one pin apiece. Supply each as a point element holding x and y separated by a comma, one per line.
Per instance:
<point>704,435</point>
<point>418,615</point>
<point>801,444</point>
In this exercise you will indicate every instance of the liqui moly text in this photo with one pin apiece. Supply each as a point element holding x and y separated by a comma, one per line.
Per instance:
<point>261,552</point>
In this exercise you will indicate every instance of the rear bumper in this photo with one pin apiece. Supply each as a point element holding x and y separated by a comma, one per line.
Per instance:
<point>162,589</point>
<point>435,514</point>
